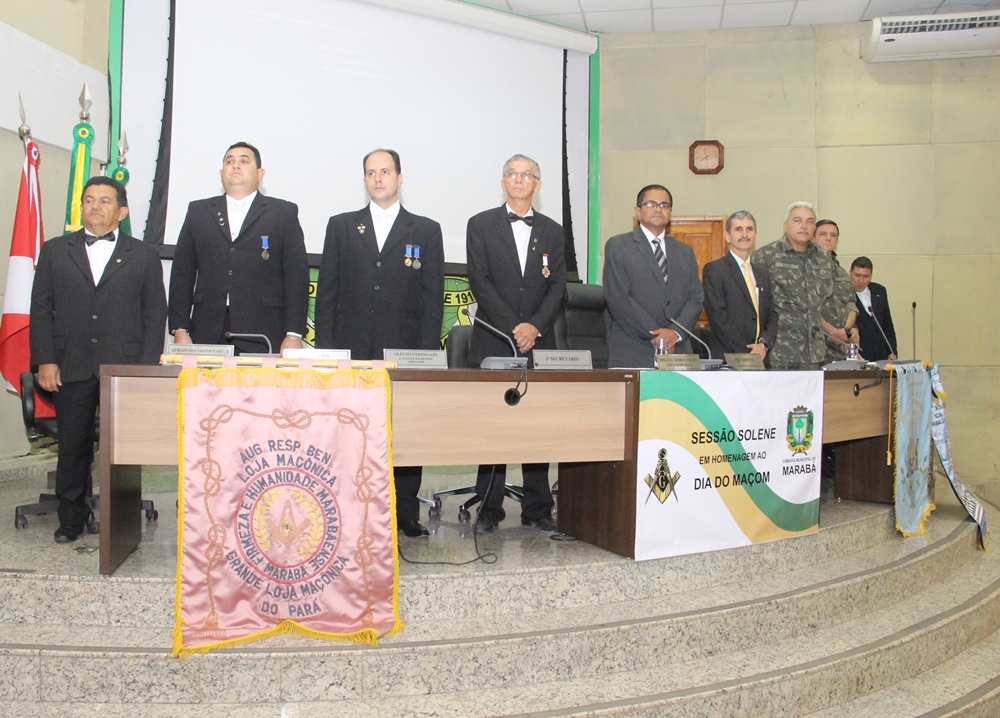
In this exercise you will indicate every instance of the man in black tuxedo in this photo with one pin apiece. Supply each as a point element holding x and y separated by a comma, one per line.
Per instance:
<point>97,299</point>
<point>873,305</point>
<point>381,286</point>
<point>517,273</point>
<point>738,298</point>
<point>240,264</point>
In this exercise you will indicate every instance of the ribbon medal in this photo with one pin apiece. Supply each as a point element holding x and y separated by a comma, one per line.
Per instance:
<point>545,266</point>
<point>409,255</point>
<point>416,256</point>
<point>263,243</point>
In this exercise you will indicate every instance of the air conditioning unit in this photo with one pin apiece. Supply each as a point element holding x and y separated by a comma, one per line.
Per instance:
<point>932,37</point>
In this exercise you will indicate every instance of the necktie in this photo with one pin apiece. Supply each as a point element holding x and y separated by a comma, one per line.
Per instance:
<point>90,239</point>
<point>661,259</point>
<point>752,288</point>
<point>528,219</point>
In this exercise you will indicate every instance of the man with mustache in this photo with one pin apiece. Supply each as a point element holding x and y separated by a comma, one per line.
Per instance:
<point>97,299</point>
<point>802,274</point>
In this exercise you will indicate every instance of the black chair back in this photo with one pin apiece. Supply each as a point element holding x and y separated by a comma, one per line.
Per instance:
<point>583,326</point>
<point>457,346</point>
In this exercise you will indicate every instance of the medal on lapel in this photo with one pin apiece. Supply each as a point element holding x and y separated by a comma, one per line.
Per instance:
<point>222,220</point>
<point>263,243</point>
<point>416,256</point>
<point>361,229</point>
<point>409,255</point>
<point>545,266</point>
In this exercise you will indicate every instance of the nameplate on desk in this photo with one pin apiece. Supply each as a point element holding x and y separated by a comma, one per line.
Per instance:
<point>562,359</point>
<point>313,353</point>
<point>744,362</point>
<point>205,350</point>
<point>417,358</point>
<point>517,363</point>
<point>678,362</point>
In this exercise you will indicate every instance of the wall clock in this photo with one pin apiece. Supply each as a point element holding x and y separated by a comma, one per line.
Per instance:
<point>706,157</point>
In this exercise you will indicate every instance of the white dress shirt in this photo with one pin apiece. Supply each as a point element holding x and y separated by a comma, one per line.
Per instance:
<point>383,219</point>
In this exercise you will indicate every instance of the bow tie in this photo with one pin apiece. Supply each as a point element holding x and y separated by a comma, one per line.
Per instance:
<point>528,219</point>
<point>90,239</point>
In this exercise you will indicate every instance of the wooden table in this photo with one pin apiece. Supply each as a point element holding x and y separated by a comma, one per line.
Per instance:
<point>587,422</point>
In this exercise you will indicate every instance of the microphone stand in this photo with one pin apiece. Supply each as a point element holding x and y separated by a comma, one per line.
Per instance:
<point>693,336</point>
<point>239,335</point>
<point>879,325</point>
<point>511,396</point>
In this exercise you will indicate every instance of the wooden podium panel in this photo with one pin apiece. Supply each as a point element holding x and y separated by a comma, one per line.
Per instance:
<point>586,421</point>
<point>439,418</point>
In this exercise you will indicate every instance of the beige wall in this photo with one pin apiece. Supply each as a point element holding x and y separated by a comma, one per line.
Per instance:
<point>78,28</point>
<point>904,156</point>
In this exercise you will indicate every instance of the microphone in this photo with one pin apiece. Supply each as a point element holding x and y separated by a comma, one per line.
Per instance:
<point>692,335</point>
<point>490,327</point>
<point>914,330</point>
<point>239,335</point>
<point>880,331</point>
<point>513,395</point>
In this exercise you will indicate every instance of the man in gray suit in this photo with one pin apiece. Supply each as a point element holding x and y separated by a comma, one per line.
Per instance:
<point>650,282</point>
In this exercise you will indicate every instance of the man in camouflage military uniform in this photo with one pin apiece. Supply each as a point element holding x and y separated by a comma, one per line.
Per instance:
<point>840,312</point>
<point>802,277</point>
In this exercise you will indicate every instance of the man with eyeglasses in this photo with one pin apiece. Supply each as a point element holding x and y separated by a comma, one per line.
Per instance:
<point>517,273</point>
<point>650,282</point>
<point>381,286</point>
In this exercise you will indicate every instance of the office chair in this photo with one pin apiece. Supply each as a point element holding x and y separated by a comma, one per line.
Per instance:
<point>583,325</point>
<point>46,426</point>
<point>457,348</point>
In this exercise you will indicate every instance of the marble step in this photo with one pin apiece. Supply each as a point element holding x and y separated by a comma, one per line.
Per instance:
<point>578,576</point>
<point>631,638</point>
<point>966,685</point>
<point>828,666</point>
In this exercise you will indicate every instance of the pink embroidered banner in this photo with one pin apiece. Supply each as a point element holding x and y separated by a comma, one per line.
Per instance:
<point>286,507</point>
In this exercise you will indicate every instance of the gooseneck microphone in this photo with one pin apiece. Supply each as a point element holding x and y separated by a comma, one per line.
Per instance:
<point>496,331</point>
<point>914,330</point>
<point>513,395</point>
<point>239,335</point>
<point>692,335</point>
<point>892,349</point>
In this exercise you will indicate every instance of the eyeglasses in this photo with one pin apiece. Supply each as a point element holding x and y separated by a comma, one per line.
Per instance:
<point>514,174</point>
<point>653,205</point>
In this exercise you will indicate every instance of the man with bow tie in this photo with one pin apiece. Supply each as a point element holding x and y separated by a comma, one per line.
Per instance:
<point>517,273</point>
<point>240,265</point>
<point>381,286</point>
<point>97,299</point>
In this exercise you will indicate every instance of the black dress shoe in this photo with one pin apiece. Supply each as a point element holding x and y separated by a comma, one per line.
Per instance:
<point>546,523</point>
<point>413,529</point>
<point>486,525</point>
<point>67,534</point>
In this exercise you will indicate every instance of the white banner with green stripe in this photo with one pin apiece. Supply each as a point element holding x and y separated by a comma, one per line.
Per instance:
<point>726,459</point>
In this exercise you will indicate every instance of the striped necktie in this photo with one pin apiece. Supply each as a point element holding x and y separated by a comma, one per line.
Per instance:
<point>661,259</point>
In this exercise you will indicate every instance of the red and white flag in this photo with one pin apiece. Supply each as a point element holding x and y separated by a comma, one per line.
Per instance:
<point>15,353</point>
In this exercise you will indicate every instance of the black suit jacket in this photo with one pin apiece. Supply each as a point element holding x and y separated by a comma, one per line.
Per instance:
<point>266,296</point>
<point>505,297</point>
<point>367,300</point>
<point>730,309</point>
<point>872,344</point>
<point>80,326</point>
